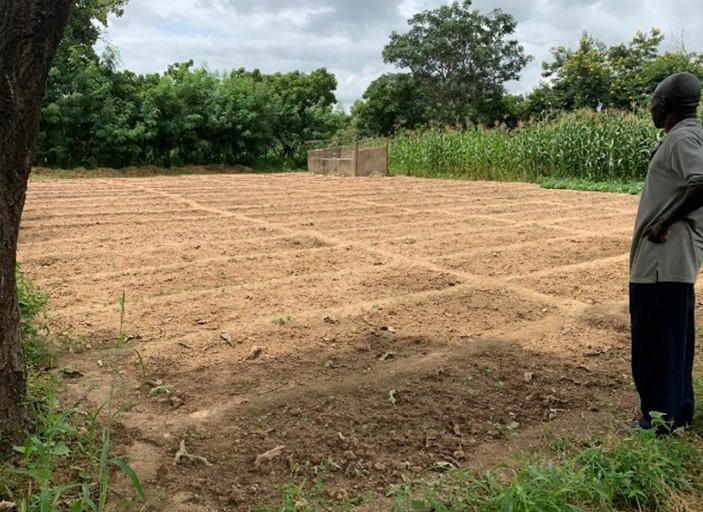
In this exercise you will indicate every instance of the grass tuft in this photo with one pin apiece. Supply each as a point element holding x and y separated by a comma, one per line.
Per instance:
<point>635,472</point>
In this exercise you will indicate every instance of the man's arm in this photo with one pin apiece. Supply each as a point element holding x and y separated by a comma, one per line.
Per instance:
<point>690,201</point>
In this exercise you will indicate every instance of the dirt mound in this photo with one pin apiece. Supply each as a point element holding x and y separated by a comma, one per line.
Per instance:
<point>140,172</point>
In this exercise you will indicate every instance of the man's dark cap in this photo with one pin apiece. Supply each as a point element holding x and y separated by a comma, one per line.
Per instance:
<point>682,92</point>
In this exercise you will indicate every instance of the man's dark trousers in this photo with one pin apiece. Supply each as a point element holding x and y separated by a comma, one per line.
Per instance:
<point>663,343</point>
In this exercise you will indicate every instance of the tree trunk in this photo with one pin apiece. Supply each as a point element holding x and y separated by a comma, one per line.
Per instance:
<point>30,32</point>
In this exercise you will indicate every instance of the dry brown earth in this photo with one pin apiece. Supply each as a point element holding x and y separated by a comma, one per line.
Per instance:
<point>373,327</point>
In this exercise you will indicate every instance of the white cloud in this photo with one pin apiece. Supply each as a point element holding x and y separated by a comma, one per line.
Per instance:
<point>348,36</point>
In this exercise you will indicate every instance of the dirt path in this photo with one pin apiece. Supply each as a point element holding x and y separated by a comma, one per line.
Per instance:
<point>372,327</point>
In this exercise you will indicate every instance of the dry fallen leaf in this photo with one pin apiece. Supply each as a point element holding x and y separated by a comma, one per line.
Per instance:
<point>183,453</point>
<point>269,455</point>
<point>442,466</point>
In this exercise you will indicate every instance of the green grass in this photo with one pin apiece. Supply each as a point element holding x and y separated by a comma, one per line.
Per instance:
<point>633,472</point>
<point>308,497</point>
<point>634,187</point>
<point>65,462</point>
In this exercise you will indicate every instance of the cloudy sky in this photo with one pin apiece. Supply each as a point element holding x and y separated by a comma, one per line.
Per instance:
<point>348,36</point>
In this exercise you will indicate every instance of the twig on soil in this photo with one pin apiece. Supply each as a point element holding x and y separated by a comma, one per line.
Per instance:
<point>269,455</point>
<point>182,453</point>
<point>254,353</point>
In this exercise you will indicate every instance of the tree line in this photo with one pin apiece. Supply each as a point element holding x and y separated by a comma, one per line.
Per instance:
<point>96,116</point>
<point>453,64</point>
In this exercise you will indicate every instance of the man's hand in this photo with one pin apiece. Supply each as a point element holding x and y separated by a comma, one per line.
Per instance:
<point>657,232</point>
<point>690,201</point>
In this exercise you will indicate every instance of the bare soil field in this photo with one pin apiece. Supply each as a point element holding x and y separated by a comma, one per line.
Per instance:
<point>374,330</point>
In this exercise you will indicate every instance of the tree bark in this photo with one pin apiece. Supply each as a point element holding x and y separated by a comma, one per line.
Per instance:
<point>30,32</point>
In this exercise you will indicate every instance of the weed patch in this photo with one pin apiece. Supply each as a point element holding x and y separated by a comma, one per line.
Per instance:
<point>66,458</point>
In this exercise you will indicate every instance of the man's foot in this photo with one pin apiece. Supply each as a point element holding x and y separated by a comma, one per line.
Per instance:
<point>631,425</point>
<point>635,423</point>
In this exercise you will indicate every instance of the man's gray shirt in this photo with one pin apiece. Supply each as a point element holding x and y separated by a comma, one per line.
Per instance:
<point>676,164</point>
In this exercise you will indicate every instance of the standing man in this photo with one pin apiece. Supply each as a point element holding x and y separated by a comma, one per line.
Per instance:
<point>666,255</point>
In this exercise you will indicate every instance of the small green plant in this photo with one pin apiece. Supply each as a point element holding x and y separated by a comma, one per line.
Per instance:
<point>160,390</point>
<point>370,426</point>
<point>104,460</point>
<point>40,452</point>
<point>220,281</point>
<point>34,328</point>
<point>284,319</point>
<point>57,448</point>
<point>121,335</point>
<point>142,364</point>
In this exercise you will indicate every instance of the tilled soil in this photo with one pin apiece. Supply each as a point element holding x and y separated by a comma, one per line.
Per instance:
<point>374,330</point>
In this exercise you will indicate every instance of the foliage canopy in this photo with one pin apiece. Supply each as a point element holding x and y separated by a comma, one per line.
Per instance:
<point>621,76</point>
<point>461,58</point>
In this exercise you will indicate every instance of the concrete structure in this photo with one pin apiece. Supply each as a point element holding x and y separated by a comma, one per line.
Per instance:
<point>349,161</point>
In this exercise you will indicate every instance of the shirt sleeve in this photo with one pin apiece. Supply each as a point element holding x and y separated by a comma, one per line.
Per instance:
<point>687,158</point>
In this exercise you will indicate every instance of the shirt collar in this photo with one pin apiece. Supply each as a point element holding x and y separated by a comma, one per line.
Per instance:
<point>691,121</point>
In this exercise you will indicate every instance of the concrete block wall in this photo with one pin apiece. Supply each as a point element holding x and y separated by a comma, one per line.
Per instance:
<point>348,161</point>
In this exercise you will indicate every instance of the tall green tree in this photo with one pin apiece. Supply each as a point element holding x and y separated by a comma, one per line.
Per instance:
<point>88,19</point>
<point>580,77</point>
<point>620,76</point>
<point>392,102</point>
<point>664,65</point>
<point>179,107</point>
<point>627,64</point>
<point>95,118</point>
<point>241,118</point>
<point>30,32</point>
<point>84,108</point>
<point>462,57</point>
<point>304,109</point>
